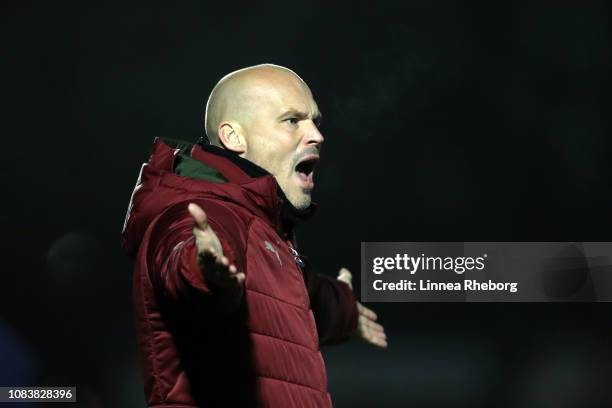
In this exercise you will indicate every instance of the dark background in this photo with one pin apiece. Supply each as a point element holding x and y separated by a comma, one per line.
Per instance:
<point>443,121</point>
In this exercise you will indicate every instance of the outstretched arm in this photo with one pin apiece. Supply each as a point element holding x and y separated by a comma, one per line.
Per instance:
<point>367,327</point>
<point>190,267</point>
<point>334,307</point>
<point>337,312</point>
<point>215,266</point>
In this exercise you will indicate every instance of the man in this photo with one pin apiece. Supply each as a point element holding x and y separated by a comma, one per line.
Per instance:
<point>228,312</point>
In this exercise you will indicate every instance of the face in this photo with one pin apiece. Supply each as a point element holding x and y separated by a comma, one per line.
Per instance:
<point>282,137</point>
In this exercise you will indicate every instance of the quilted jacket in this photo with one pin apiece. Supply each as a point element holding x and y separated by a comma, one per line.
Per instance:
<point>202,346</point>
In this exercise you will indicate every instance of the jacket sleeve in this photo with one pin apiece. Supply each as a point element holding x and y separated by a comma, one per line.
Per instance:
<point>334,306</point>
<point>174,269</point>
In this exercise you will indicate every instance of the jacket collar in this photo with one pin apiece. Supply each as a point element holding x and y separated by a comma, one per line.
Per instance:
<point>246,173</point>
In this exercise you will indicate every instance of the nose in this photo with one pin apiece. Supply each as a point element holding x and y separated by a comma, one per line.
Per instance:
<point>312,135</point>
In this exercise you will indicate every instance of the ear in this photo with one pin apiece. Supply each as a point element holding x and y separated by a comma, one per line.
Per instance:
<point>231,137</point>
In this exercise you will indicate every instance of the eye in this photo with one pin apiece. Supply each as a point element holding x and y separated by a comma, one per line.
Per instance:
<point>292,120</point>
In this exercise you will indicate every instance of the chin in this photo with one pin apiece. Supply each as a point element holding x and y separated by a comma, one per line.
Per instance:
<point>302,202</point>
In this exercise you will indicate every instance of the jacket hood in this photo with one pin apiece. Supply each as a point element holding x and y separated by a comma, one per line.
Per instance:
<point>178,172</point>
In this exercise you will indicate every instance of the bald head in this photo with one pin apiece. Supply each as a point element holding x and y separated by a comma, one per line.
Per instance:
<point>266,114</point>
<point>238,95</point>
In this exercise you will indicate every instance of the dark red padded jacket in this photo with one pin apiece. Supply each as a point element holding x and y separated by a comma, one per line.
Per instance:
<point>206,347</point>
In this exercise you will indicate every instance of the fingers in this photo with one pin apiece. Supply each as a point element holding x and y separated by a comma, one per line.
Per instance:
<point>206,239</point>
<point>370,325</point>
<point>372,332</point>
<point>345,276</point>
<point>218,270</point>
<point>198,215</point>
<point>377,339</point>
<point>364,311</point>
<point>368,329</point>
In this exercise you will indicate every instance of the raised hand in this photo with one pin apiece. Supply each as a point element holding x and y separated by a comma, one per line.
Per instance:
<point>215,267</point>
<point>367,328</point>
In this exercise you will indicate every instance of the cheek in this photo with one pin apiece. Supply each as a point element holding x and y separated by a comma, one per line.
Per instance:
<point>282,168</point>
<point>268,157</point>
<point>278,157</point>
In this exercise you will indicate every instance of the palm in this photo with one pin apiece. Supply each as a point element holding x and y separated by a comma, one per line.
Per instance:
<point>215,267</point>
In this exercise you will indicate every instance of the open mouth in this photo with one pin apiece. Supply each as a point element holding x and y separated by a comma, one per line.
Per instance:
<point>305,170</point>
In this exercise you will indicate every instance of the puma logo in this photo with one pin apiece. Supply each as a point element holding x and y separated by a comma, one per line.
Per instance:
<point>273,249</point>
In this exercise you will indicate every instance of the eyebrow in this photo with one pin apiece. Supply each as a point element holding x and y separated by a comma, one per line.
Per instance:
<point>317,117</point>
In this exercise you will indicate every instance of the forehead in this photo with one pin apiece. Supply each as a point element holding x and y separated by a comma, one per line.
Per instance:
<point>283,93</point>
